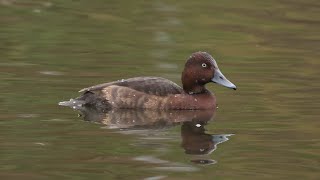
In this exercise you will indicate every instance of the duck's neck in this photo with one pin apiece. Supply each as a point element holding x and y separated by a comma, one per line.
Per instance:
<point>194,89</point>
<point>191,86</point>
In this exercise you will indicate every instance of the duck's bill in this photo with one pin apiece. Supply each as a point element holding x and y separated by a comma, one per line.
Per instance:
<point>220,79</point>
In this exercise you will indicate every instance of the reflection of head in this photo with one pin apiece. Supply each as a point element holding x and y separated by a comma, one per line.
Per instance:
<point>196,141</point>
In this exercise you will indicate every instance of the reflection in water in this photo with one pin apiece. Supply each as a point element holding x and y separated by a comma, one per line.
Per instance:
<point>144,119</point>
<point>194,139</point>
<point>196,142</point>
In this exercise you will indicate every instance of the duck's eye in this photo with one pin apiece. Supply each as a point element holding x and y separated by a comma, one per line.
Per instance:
<point>204,65</point>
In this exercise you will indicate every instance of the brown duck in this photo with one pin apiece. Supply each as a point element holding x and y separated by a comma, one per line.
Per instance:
<point>157,92</point>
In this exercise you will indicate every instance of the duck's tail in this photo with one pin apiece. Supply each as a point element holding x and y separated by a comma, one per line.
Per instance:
<point>87,100</point>
<point>73,103</point>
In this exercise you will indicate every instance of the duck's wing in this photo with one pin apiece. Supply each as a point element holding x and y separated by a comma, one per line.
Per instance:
<point>150,85</point>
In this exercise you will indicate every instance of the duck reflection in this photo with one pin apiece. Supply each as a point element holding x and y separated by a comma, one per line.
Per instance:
<point>195,140</point>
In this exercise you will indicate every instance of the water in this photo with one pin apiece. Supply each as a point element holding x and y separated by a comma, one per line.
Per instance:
<point>51,49</point>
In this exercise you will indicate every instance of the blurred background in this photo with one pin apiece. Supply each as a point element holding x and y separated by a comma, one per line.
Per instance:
<point>51,49</point>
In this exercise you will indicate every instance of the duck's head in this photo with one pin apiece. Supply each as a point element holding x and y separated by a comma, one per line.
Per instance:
<point>201,69</point>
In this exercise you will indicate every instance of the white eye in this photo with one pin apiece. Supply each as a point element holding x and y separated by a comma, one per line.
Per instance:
<point>204,65</point>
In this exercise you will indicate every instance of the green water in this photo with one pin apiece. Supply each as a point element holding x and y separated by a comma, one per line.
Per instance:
<point>51,49</point>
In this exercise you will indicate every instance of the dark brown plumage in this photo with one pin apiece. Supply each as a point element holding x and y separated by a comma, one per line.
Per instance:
<point>150,85</point>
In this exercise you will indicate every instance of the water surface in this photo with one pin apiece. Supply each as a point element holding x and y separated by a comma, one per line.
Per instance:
<point>51,49</point>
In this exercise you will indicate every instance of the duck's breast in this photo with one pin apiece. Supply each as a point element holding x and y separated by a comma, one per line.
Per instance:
<point>194,102</point>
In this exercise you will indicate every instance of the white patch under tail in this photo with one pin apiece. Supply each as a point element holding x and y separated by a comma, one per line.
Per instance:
<point>73,103</point>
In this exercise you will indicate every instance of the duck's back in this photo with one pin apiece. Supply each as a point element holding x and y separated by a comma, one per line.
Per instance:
<point>150,85</point>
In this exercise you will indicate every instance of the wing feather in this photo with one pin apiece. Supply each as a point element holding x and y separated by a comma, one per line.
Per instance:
<point>150,85</point>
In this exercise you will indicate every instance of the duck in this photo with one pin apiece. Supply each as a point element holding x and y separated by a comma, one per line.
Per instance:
<point>157,92</point>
